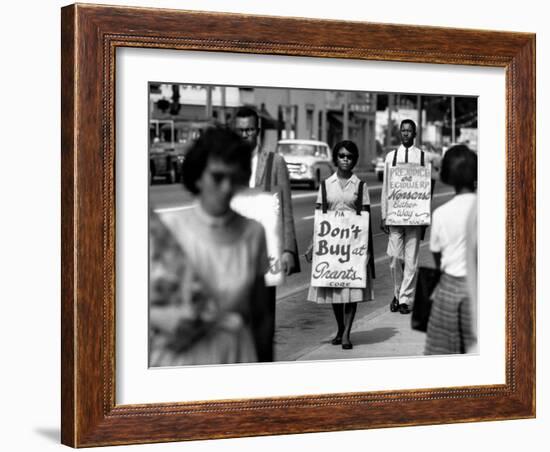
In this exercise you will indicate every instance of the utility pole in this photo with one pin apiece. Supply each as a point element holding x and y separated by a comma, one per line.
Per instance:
<point>222,113</point>
<point>288,115</point>
<point>324,134</point>
<point>345,122</point>
<point>208,110</point>
<point>419,124</point>
<point>388,133</point>
<point>172,133</point>
<point>453,120</point>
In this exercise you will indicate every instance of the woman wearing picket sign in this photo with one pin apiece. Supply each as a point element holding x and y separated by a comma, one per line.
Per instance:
<point>343,191</point>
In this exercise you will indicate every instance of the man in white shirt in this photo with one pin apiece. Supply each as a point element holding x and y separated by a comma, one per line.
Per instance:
<point>403,241</point>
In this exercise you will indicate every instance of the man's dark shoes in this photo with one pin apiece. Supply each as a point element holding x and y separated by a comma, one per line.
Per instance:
<point>394,305</point>
<point>404,308</point>
<point>337,340</point>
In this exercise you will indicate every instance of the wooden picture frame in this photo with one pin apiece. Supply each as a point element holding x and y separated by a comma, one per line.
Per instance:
<point>90,36</point>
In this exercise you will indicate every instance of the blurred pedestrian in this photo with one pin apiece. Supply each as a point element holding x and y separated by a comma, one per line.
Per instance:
<point>344,192</point>
<point>225,255</point>
<point>450,323</point>
<point>471,271</point>
<point>269,172</point>
<point>181,311</point>
<point>403,241</point>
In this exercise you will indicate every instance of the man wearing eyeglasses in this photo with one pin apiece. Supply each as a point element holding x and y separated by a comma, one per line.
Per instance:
<point>269,171</point>
<point>403,241</point>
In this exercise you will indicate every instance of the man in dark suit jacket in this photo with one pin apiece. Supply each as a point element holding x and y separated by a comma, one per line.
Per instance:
<point>269,171</point>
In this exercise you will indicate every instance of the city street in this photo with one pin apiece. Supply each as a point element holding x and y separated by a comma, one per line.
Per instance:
<point>302,326</point>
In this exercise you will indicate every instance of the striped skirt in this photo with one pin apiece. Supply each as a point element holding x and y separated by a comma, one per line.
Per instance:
<point>450,323</point>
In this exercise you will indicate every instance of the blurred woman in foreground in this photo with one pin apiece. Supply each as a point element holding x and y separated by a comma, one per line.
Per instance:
<point>221,260</point>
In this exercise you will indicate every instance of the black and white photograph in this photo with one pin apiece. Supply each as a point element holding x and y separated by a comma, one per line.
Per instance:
<point>166,291</point>
<point>291,224</point>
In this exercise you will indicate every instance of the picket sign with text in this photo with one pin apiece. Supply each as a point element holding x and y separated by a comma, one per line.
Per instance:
<point>408,188</point>
<point>340,249</point>
<point>265,208</point>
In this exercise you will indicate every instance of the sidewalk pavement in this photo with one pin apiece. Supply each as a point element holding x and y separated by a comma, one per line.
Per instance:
<point>381,333</point>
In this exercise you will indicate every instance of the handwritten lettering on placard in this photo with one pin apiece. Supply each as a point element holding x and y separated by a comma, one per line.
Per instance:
<point>409,195</point>
<point>340,249</point>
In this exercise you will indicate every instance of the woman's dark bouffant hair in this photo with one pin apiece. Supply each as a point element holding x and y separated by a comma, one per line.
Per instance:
<point>349,146</point>
<point>459,168</point>
<point>219,143</point>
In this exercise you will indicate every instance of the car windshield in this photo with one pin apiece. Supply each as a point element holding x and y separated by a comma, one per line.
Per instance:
<point>302,149</point>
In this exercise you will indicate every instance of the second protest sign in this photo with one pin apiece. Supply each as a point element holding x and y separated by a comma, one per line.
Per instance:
<point>408,195</point>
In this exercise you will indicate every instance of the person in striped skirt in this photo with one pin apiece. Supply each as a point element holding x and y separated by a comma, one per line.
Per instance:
<point>450,328</point>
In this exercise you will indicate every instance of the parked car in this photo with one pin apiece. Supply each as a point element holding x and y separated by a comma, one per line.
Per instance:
<point>308,161</point>
<point>165,163</point>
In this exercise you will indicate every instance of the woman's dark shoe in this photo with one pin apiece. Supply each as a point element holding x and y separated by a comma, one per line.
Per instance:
<point>347,345</point>
<point>337,340</point>
<point>394,305</point>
